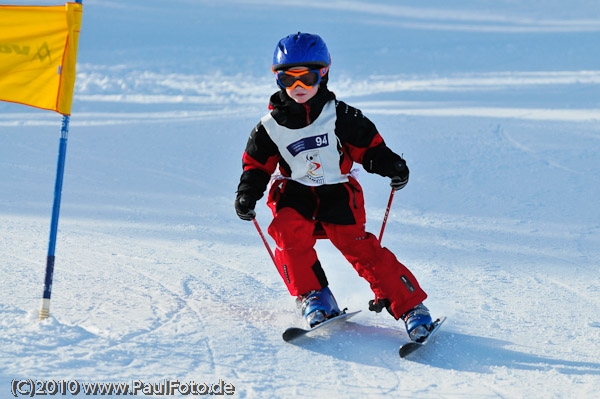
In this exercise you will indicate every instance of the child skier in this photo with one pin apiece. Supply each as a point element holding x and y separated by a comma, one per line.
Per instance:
<point>315,139</point>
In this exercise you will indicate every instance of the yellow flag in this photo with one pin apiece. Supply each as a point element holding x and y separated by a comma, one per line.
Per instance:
<point>38,50</point>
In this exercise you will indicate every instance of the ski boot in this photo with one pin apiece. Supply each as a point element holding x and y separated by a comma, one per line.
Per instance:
<point>318,306</point>
<point>418,323</point>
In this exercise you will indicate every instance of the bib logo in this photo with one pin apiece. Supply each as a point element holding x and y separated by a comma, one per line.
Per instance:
<point>315,167</point>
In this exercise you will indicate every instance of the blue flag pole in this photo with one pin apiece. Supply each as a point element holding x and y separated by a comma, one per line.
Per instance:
<point>60,171</point>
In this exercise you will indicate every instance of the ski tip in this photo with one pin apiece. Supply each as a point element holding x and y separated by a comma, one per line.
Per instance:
<point>292,333</point>
<point>409,348</point>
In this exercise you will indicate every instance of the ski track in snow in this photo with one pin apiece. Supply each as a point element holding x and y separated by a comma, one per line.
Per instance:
<point>156,278</point>
<point>226,99</point>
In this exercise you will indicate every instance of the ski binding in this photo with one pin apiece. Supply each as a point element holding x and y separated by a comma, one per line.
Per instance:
<point>412,346</point>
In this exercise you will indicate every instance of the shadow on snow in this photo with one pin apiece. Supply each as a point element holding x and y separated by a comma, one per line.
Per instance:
<point>373,346</point>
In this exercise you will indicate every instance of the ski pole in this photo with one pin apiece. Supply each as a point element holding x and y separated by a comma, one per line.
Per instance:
<point>264,240</point>
<point>387,213</point>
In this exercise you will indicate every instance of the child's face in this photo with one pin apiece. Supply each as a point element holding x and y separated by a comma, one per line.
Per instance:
<point>300,94</point>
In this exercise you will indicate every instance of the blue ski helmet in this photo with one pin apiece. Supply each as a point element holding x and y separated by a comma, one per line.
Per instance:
<point>301,49</point>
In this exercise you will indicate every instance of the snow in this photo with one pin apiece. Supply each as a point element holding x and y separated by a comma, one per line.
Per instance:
<point>494,104</point>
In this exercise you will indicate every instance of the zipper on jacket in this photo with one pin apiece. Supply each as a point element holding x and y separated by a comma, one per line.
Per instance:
<point>318,200</point>
<point>307,108</point>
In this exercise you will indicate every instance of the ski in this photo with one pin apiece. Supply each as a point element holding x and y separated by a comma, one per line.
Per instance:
<point>410,347</point>
<point>297,332</point>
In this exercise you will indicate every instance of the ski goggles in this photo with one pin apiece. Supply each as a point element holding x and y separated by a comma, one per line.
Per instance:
<point>306,78</point>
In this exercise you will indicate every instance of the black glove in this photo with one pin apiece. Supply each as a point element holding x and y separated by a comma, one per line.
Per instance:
<point>244,207</point>
<point>401,175</point>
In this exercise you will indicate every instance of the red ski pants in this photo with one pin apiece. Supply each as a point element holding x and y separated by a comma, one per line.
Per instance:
<point>299,267</point>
